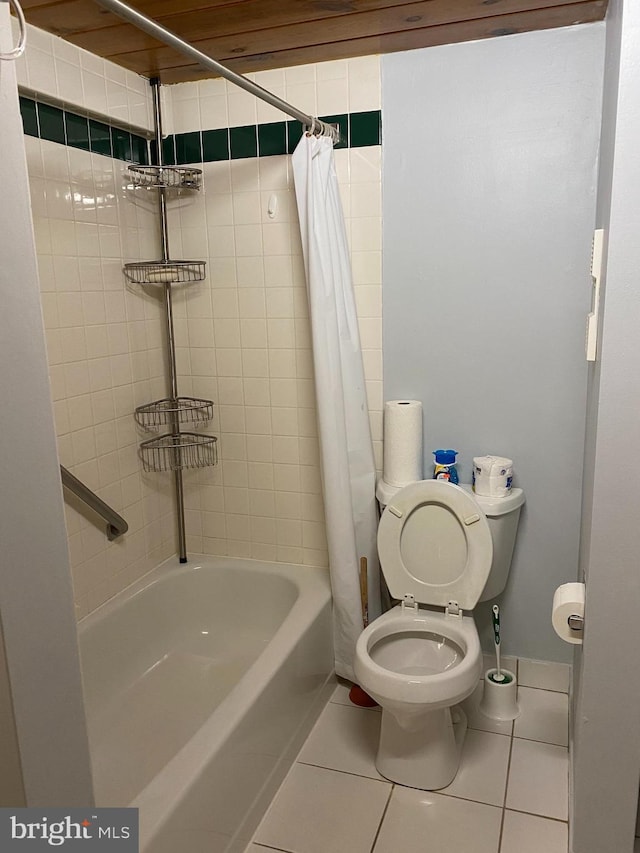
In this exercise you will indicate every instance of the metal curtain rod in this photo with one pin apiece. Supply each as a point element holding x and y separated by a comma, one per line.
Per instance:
<point>116,525</point>
<point>162,34</point>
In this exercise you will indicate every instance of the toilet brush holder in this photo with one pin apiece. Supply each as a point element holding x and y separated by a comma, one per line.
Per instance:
<point>500,698</point>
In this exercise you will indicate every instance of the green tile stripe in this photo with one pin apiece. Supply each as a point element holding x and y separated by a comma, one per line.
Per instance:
<point>45,121</point>
<point>357,130</point>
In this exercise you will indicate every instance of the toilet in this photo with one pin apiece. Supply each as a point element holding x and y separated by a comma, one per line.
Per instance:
<point>442,547</point>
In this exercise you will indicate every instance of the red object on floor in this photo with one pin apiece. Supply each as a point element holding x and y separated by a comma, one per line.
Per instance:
<point>359,697</point>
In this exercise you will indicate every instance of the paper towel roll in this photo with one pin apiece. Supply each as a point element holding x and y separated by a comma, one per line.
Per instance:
<point>402,457</point>
<point>568,600</point>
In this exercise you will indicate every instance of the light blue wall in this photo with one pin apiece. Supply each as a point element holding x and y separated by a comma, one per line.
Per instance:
<point>489,175</point>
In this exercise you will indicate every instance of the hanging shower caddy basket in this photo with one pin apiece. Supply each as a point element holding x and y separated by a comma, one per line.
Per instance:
<point>179,450</point>
<point>182,410</point>
<point>166,177</point>
<point>165,272</point>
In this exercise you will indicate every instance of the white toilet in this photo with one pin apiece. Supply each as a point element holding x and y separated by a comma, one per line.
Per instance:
<point>440,546</point>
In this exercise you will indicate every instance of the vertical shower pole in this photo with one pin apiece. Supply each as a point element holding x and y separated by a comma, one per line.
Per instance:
<point>168,303</point>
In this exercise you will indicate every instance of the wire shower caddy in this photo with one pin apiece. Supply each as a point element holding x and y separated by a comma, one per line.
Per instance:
<point>177,449</point>
<point>184,410</point>
<point>167,177</point>
<point>165,272</point>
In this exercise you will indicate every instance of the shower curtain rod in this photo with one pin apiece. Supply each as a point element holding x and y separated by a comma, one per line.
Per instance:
<point>154,29</point>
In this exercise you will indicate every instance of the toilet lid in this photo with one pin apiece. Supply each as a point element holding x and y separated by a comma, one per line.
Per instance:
<point>434,543</point>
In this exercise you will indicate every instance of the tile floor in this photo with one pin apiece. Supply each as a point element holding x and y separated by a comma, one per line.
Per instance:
<point>510,794</point>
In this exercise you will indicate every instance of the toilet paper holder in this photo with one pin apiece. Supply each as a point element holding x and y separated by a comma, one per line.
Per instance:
<point>575,622</point>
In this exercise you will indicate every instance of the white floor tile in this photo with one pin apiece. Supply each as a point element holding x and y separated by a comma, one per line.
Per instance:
<point>482,775</point>
<point>477,720</point>
<point>538,779</point>
<point>545,675</point>
<point>524,833</point>
<point>544,715</point>
<point>333,799</point>
<point>318,810</point>
<point>426,822</point>
<point>344,739</point>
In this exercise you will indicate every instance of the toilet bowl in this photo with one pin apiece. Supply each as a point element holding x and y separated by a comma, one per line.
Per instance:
<point>436,549</point>
<point>417,667</point>
<point>415,658</point>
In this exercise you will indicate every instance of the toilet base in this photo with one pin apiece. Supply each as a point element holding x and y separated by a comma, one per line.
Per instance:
<point>427,756</point>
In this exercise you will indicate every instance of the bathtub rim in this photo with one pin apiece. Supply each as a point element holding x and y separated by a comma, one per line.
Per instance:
<point>317,580</point>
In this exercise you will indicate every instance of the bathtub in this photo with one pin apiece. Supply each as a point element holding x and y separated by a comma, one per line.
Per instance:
<point>201,682</point>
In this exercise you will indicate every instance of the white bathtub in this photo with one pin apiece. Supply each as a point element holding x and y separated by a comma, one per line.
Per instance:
<point>201,681</point>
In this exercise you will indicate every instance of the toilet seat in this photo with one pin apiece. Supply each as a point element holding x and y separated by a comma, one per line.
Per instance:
<point>435,544</point>
<point>440,689</point>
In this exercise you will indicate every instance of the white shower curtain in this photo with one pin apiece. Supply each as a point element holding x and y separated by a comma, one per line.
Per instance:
<point>346,451</point>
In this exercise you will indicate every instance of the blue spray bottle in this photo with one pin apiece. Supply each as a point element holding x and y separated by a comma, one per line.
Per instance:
<point>445,466</point>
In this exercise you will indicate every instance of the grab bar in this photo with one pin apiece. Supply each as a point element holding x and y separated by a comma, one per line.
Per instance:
<point>116,525</point>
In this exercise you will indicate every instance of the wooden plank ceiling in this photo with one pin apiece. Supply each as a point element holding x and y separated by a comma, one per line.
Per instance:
<point>252,35</point>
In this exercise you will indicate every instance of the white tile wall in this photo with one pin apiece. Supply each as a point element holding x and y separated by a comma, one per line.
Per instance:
<point>104,349</point>
<point>244,335</point>
<point>54,68</point>
<point>245,341</point>
<point>327,88</point>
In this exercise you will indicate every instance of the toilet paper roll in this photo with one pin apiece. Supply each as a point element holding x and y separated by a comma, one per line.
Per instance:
<point>568,600</point>
<point>492,476</point>
<point>402,456</point>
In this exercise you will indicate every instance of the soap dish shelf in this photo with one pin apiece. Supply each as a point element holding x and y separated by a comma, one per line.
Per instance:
<point>182,410</point>
<point>165,272</point>
<point>177,451</point>
<point>166,177</point>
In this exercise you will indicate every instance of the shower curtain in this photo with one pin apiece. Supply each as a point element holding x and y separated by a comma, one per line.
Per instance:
<point>346,451</point>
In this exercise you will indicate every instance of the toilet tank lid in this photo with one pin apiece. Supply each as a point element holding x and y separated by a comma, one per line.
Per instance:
<point>493,507</point>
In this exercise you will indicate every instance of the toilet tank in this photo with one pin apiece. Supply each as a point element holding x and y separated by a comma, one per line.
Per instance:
<point>503,515</point>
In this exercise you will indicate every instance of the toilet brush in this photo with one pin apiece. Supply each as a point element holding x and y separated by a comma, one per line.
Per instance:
<point>500,694</point>
<point>498,676</point>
